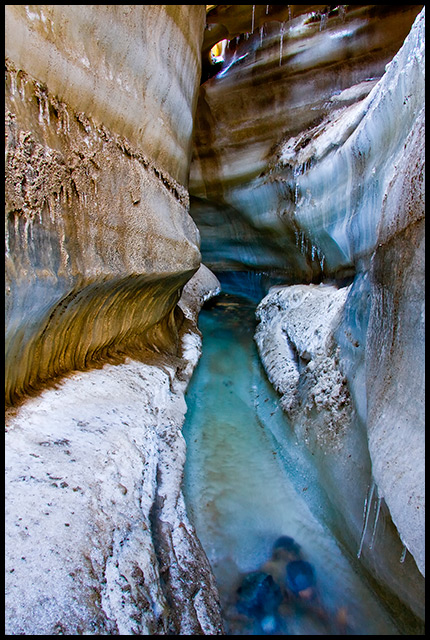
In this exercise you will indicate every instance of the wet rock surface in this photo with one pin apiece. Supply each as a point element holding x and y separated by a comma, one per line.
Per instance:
<point>336,197</point>
<point>297,338</point>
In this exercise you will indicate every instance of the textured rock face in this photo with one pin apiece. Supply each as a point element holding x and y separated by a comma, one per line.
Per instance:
<point>99,111</point>
<point>268,176</point>
<point>297,342</point>
<point>97,536</point>
<point>395,348</point>
<point>390,327</point>
<point>130,68</point>
<point>99,246</point>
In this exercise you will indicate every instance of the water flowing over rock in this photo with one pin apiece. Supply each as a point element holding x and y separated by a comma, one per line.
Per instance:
<point>317,174</point>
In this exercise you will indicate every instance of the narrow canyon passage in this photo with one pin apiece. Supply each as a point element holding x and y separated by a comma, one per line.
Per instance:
<point>263,165</point>
<point>244,489</point>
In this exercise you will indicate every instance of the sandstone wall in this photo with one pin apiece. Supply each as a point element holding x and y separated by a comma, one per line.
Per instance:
<point>100,247</point>
<point>99,110</point>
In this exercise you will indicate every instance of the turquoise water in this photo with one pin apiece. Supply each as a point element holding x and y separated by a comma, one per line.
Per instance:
<point>247,482</point>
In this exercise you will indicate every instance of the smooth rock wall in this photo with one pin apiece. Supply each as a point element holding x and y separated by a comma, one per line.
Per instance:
<point>99,109</point>
<point>395,348</point>
<point>132,68</point>
<point>97,537</point>
<point>359,195</point>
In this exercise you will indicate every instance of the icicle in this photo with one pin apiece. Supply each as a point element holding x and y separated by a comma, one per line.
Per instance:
<point>375,523</point>
<point>25,232</point>
<point>289,13</point>
<point>43,107</point>
<point>13,83</point>
<point>261,35</point>
<point>246,36</point>
<point>267,9</point>
<point>342,12</point>
<point>303,246</point>
<point>323,23</point>
<point>366,514</point>
<point>253,16</point>
<point>237,39</point>
<point>46,107</point>
<point>403,556</point>
<point>66,122</point>
<point>21,88</point>
<point>281,43</point>
<point>16,227</point>
<point>40,111</point>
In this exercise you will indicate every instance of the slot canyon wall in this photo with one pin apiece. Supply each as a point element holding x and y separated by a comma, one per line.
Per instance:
<point>96,188</point>
<point>100,103</point>
<point>308,162</point>
<point>300,156</point>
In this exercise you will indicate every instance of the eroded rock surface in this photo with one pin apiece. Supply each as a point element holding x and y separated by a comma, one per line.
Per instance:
<point>317,172</point>
<point>395,354</point>
<point>97,536</point>
<point>100,104</point>
<point>297,342</point>
<point>99,242</point>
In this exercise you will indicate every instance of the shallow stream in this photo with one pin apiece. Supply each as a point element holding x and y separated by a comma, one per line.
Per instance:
<point>248,482</point>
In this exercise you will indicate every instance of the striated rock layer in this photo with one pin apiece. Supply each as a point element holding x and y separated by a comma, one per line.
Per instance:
<point>100,246</point>
<point>270,185</point>
<point>97,536</point>
<point>99,113</point>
